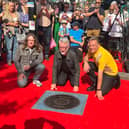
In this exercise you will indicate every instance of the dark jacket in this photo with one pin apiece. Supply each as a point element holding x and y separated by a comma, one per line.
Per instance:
<point>25,57</point>
<point>72,64</point>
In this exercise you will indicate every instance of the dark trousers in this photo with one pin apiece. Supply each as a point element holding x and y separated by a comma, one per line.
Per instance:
<point>45,37</point>
<point>78,53</point>
<point>108,82</point>
<point>63,77</point>
<point>103,39</point>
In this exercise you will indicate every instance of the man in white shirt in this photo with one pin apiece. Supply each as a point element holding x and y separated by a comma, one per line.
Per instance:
<point>66,15</point>
<point>116,22</point>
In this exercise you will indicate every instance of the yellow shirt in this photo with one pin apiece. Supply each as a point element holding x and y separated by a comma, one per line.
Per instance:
<point>105,62</point>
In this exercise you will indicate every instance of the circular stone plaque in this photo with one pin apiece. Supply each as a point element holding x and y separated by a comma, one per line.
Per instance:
<point>62,101</point>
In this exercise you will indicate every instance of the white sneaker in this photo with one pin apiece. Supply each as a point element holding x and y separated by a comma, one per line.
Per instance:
<point>37,83</point>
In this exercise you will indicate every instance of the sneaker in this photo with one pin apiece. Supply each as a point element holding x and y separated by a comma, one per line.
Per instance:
<point>9,63</point>
<point>37,83</point>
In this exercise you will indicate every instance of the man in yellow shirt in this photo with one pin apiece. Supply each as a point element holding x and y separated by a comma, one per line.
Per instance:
<point>106,67</point>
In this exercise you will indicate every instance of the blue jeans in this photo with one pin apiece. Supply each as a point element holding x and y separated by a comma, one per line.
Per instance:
<point>38,69</point>
<point>45,38</point>
<point>11,44</point>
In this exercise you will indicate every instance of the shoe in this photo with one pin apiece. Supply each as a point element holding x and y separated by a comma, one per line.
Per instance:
<point>9,63</point>
<point>117,83</point>
<point>91,88</point>
<point>37,83</point>
<point>46,57</point>
<point>116,57</point>
<point>1,58</point>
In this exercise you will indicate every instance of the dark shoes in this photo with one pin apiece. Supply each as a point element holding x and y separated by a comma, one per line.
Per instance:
<point>1,58</point>
<point>92,87</point>
<point>117,83</point>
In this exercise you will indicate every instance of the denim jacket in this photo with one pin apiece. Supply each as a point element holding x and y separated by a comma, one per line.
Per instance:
<point>25,57</point>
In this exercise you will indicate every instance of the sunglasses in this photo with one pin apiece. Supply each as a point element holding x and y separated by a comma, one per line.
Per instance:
<point>98,2</point>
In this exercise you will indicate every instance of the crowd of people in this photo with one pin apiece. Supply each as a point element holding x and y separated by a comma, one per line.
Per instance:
<point>72,30</point>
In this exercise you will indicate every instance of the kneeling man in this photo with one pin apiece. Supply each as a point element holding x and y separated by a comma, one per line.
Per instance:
<point>66,66</point>
<point>106,67</point>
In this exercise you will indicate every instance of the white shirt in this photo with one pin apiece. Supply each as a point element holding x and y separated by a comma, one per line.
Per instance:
<point>69,14</point>
<point>116,30</point>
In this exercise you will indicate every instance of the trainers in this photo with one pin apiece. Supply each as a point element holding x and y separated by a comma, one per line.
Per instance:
<point>37,83</point>
<point>9,63</point>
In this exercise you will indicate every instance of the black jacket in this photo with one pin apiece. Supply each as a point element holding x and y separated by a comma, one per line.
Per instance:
<point>72,64</point>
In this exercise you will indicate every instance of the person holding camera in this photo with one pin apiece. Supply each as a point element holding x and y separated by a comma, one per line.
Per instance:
<point>44,13</point>
<point>95,21</point>
<point>1,15</point>
<point>78,17</point>
<point>116,35</point>
<point>66,15</point>
<point>23,20</point>
<point>10,20</point>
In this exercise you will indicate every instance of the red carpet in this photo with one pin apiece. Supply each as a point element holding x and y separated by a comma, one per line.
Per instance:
<point>16,103</point>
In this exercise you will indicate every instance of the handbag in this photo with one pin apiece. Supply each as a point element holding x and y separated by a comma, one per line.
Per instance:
<point>21,35</point>
<point>52,43</point>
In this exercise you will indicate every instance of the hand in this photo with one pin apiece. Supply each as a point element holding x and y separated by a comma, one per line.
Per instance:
<point>21,76</point>
<point>99,95</point>
<point>2,14</point>
<point>16,24</point>
<point>65,34</point>
<point>96,10</point>
<point>26,67</point>
<point>53,87</point>
<point>86,67</point>
<point>81,44</point>
<point>43,8</point>
<point>64,14</point>
<point>75,88</point>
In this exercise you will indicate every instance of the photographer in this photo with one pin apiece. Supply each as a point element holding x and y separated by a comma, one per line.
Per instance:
<point>66,15</point>
<point>77,17</point>
<point>10,20</point>
<point>1,15</point>
<point>23,28</point>
<point>106,26</point>
<point>96,16</point>
<point>116,23</point>
<point>44,12</point>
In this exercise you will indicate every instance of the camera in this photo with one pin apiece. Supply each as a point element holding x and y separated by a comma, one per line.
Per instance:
<point>122,2</point>
<point>9,33</point>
